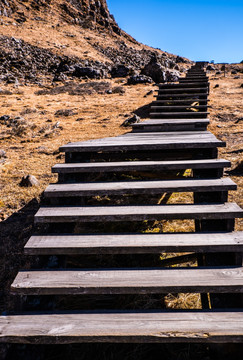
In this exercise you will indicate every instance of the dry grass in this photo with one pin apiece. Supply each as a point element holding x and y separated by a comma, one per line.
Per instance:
<point>35,151</point>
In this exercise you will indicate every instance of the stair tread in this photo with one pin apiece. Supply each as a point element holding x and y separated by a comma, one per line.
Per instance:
<point>137,212</point>
<point>140,165</point>
<point>138,187</point>
<point>124,281</point>
<point>69,244</point>
<point>148,141</point>
<point>123,326</point>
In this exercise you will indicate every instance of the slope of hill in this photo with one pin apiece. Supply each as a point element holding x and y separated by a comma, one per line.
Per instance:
<point>37,35</point>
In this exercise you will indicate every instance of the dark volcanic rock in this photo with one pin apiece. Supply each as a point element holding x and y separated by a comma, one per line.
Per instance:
<point>210,68</point>
<point>89,72</point>
<point>139,79</point>
<point>154,70</point>
<point>128,122</point>
<point>120,71</point>
<point>28,181</point>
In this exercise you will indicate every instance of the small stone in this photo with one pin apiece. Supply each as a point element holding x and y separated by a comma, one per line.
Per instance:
<point>2,154</point>
<point>128,122</point>
<point>237,77</point>
<point>216,86</point>
<point>4,118</point>
<point>28,181</point>
<point>109,92</point>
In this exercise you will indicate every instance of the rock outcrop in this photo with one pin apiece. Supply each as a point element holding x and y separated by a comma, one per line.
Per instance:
<point>87,13</point>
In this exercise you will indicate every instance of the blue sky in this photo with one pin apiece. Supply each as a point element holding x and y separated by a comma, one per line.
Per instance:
<point>199,30</point>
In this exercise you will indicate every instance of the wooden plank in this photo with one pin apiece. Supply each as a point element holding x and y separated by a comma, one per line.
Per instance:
<point>136,213</point>
<point>182,95</point>
<point>177,107</point>
<point>184,89</point>
<point>123,326</point>
<point>147,141</point>
<point>185,84</point>
<point>140,166</point>
<point>171,122</point>
<point>139,187</point>
<point>157,124</point>
<point>181,101</point>
<point>184,114</point>
<point>134,243</point>
<point>129,281</point>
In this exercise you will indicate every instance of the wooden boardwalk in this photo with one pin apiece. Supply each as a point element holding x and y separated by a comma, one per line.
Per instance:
<point>109,187</point>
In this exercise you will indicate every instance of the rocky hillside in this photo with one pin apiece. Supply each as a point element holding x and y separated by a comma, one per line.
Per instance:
<point>86,13</point>
<point>73,38</point>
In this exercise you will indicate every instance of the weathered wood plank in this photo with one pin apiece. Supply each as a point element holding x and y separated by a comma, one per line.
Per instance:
<point>147,141</point>
<point>139,187</point>
<point>137,213</point>
<point>134,243</point>
<point>123,326</point>
<point>140,166</point>
<point>183,114</point>
<point>129,281</point>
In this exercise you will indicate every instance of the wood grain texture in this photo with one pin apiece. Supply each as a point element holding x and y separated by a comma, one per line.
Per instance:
<point>141,166</point>
<point>123,326</point>
<point>136,213</point>
<point>147,141</point>
<point>138,187</point>
<point>133,243</point>
<point>129,281</point>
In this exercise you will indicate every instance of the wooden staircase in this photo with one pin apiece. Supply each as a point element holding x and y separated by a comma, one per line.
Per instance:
<point>109,187</point>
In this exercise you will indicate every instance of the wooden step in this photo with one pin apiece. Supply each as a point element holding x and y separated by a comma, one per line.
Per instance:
<point>138,187</point>
<point>178,107</point>
<point>198,80</point>
<point>139,166</point>
<point>182,96</point>
<point>129,281</point>
<point>180,101</point>
<point>72,214</point>
<point>146,326</point>
<point>134,243</point>
<point>147,141</point>
<point>190,114</point>
<point>171,125</point>
<point>184,89</point>
<point>185,84</point>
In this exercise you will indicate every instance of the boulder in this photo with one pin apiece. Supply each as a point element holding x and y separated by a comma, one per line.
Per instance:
<point>155,71</point>
<point>120,71</point>
<point>210,68</point>
<point>180,59</point>
<point>88,72</point>
<point>139,79</point>
<point>172,76</point>
<point>28,181</point>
